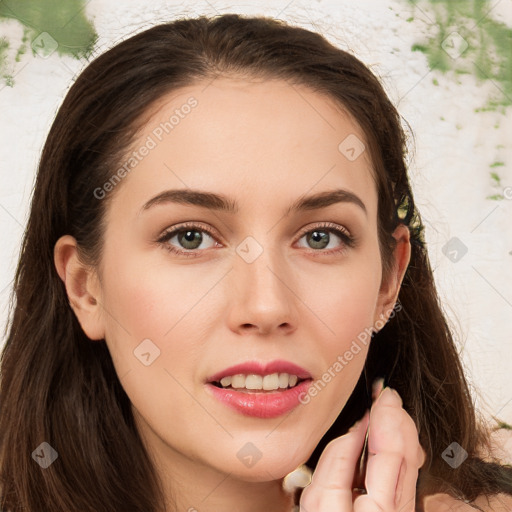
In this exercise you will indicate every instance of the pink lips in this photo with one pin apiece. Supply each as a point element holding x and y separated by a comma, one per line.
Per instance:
<point>254,367</point>
<point>265,404</point>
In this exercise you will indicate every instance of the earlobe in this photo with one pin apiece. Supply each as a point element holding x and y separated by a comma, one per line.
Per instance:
<point>390,287</point>
<point>81,285</point>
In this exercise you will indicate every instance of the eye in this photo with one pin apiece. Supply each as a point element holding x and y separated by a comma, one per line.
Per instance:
<point>322,236</point>
<point>187,239</point>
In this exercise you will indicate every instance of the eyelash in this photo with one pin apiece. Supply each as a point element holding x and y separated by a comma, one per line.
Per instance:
<point>348,240</point>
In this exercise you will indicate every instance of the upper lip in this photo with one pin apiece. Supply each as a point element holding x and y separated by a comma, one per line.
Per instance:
<point>257,368</point>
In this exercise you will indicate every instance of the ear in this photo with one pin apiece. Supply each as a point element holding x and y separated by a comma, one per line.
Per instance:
<point>390,287</point>
<point>82,287</point>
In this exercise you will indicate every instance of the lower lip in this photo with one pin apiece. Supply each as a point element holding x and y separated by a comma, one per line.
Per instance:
<point>261,405</point>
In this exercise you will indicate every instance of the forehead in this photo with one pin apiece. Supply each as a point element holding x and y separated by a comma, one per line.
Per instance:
<point>248,137</point>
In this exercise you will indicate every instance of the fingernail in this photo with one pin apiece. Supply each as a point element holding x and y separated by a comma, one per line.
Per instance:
<point>390,396</point>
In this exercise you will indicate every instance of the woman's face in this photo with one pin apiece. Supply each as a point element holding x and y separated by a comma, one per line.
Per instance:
<point>259,276</point>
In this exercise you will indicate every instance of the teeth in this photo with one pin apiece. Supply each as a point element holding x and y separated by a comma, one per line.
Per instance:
<point>266,383</point>
<point>225,382</point>
<point>238,381</point>
<point>283,380</point>
<point>271,382</point>
<point>254,382</point>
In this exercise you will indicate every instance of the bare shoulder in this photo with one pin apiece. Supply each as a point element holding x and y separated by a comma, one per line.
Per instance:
<point>445,503</point>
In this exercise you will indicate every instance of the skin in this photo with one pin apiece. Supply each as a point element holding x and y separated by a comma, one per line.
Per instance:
<point>445,503</point>
<point>295,301</point>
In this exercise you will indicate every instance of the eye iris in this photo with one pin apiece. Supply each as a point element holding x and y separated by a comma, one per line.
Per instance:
<point>190,237</point>
<point>319,237</point>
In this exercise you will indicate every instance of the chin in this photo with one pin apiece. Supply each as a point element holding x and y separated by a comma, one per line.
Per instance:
<point>256,466</point>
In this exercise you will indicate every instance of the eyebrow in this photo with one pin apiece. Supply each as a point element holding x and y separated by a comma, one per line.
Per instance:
<point>219,202</point>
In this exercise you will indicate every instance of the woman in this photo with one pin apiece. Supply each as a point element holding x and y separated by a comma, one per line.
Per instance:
<point>223,254</point>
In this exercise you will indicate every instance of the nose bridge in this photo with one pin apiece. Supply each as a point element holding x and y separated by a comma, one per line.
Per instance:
<point>263,292</point>
<point>258,265</point>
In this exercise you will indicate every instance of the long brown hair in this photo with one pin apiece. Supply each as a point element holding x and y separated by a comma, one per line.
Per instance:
<point>59,387</point>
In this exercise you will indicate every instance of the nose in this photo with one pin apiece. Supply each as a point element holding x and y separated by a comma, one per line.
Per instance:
<point>263,301</point>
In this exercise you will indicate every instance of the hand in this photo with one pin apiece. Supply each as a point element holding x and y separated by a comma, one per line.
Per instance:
<point>395,457</point>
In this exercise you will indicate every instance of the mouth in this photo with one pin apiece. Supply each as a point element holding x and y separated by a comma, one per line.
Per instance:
<point>260,390</point>
<point>254,383</point>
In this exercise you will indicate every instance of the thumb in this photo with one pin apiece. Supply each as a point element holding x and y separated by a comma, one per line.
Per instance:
<point>330,489</point>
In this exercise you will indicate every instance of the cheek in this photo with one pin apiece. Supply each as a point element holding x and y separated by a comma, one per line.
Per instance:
<point>350,305</point>
<point>149,300</point>
<point>171,307</point>
<point>139,307</point>
<point>136,304</point>
<point>343,297</point>
<point>148,335</point>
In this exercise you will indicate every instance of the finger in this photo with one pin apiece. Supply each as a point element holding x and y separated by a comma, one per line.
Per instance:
<point>392,471</point>
<point>414,457</point>
<point>330,489</point>
<point>382,478</point>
